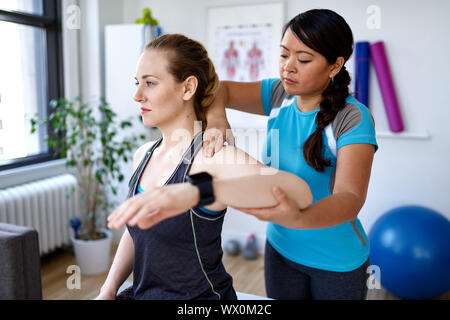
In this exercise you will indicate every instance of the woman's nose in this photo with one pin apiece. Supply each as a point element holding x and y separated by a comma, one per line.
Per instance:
<point>138,96</point>
<point>289,65</point>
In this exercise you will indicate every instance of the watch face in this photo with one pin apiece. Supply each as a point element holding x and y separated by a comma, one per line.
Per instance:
<point>200,177</point>
<point>203,181</point>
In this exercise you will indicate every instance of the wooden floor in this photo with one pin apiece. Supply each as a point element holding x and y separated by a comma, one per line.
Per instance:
<point>248,277</point>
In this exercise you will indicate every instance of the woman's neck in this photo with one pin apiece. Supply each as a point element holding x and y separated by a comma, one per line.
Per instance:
<point>309,102</point>
<point>178,134</point>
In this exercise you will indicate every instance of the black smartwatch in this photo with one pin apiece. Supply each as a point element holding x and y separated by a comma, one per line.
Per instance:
<point>203,181</point>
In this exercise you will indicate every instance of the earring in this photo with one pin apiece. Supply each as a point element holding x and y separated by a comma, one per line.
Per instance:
<point>332,81</point>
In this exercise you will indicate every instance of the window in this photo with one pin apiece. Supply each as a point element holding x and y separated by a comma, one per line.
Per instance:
<point>30,76</point>
<point>26,6</point>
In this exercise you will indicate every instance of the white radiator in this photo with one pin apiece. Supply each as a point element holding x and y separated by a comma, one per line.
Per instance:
<point>46,205</point>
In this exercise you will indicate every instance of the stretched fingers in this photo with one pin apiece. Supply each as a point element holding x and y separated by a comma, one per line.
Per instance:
<point>118,211</point>
<point>145,211</point>
<point>127,210</point>
<point>151,219</point>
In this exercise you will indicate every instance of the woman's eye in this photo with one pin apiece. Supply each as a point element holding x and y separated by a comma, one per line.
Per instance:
<point>148,83</point>
<point>304,61</point>
<point>283,56</point>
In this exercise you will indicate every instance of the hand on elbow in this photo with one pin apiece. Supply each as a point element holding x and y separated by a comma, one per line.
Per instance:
<point>286,213</point>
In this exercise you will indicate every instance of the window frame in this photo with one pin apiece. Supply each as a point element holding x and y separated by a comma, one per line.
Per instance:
<point>51,22</point>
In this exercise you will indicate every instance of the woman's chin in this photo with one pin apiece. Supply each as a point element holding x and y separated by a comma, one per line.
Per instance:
<point>294,91</point>
<point>148,123</point>
<point>290,90</point>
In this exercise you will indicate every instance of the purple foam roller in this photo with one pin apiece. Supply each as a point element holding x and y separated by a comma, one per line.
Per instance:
<point>381,65</point>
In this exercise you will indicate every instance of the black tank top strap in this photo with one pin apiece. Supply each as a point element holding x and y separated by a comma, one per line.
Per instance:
<point>179,175</point>
<point>137,173</point>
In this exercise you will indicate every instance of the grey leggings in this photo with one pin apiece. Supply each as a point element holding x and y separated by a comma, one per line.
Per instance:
<point>287,280</point>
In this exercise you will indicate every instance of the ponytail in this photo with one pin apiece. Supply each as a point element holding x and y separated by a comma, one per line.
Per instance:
<point>206,98</point>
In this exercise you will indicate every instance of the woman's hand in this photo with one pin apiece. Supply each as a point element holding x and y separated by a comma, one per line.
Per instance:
<point>106,295</point>
<point>286,213</point>
<point>152,206</point>
<point>213,136</point>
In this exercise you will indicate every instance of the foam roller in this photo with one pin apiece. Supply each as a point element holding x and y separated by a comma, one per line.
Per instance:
<point>381,65</point>
<point>362,57</point>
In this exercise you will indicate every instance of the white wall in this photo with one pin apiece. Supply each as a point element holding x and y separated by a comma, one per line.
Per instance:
<point>408,169</point>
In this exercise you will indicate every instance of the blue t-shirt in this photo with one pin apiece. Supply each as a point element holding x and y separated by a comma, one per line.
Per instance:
<point>341,248</point>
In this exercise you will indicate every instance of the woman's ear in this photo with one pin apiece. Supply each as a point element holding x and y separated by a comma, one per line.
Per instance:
<point>336,67</point>
<point>189,87</point>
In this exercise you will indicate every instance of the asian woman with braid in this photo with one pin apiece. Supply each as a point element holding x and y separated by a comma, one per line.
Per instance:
<point>181,257</point>
<point>327,138</point>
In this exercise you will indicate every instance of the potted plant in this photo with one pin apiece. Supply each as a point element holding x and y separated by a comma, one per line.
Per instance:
<point>85,137</point>
<point>151,28</point>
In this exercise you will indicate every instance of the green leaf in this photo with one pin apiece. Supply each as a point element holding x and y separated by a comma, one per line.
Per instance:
<point>98,175</point>
<point>125,124</point>
<point>71,163</point>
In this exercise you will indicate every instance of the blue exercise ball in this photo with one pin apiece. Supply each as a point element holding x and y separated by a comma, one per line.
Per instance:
<point>411,245</point>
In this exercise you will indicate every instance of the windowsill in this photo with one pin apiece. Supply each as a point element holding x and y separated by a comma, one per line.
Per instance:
<point>44,170</point>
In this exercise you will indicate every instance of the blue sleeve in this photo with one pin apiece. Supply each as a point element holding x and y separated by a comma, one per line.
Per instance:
<point>364,132</point>
<point>266,93</point>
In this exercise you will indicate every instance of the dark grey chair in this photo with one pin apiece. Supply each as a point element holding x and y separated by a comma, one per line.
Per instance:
<point>20,263</point>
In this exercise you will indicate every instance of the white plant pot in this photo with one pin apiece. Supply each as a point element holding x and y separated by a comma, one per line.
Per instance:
<point>93,256</point>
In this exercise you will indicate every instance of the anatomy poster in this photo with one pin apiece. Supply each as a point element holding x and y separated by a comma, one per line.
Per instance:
<point>242,53</point>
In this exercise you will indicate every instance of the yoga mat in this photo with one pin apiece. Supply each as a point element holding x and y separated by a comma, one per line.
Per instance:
<point>381,65</point>
<point>362,56</point>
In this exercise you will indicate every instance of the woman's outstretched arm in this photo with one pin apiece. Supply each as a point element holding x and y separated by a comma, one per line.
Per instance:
<point>238,180</point>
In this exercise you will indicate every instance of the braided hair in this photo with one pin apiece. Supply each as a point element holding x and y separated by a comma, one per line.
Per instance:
<point>328,33</point>
<point>187,58</point>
